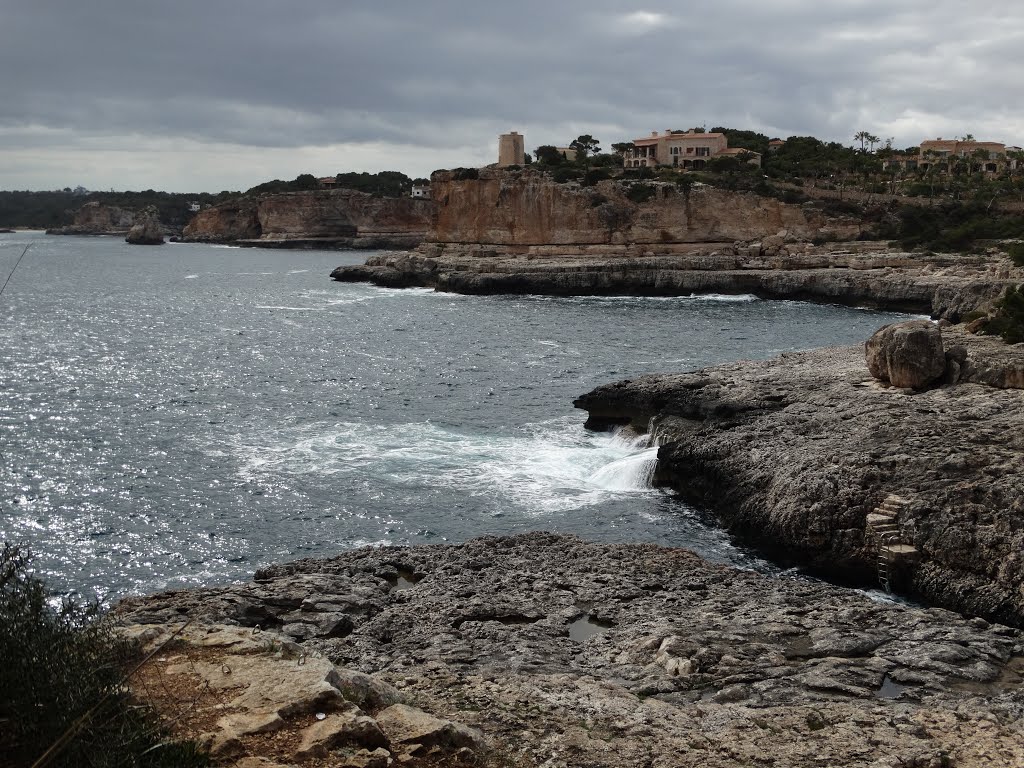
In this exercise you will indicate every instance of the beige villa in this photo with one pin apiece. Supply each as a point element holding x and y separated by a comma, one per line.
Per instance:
<point>689,150</point>
<point>991,156</point>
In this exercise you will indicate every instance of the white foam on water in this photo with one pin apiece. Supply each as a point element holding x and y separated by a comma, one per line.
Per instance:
<point>631,473</point>
<point>538,468</point>
<point>290,309</point>
<point>696,297</point>
<point>191,277</point>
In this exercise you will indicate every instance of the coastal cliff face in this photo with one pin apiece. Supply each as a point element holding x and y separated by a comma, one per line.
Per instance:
<point>795,453</point>
<point>543,649</point>
<point>95,218</point>
<point>224,223</point>
<point>519,232</point>
<point>525,207</point>
<point>326,218</point>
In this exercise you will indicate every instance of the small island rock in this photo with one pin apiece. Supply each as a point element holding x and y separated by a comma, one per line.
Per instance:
<point>147,229</point>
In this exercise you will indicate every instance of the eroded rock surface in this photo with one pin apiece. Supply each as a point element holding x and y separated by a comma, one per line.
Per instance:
<point>683,663</point>
<point>855,274</point>
<point>795,454</point>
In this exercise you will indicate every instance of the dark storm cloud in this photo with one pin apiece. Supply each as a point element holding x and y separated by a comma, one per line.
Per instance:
<point>449,75</point>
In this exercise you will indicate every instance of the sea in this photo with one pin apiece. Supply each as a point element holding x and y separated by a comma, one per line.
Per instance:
<point>182,415</point>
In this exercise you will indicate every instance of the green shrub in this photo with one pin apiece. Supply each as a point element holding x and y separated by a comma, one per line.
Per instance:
<point>1016,254</point>
<point>594,175</point>
<point>62,678</point>
<point>565,173</point>
<point>640,193</point>
<point>1008,321</point>
<point>465,174</point>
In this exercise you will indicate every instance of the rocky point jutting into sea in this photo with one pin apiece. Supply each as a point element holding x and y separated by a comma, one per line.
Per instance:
<point>341,218</point>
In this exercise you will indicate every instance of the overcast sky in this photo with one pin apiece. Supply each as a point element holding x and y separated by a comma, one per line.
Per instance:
<point>211,95</point>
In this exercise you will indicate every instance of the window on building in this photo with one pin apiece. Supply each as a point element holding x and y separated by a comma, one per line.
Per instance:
<point>703,151</point>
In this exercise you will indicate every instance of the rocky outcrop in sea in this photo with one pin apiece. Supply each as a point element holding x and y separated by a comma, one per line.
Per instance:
<point>316,219</point>
<point>147,229</point>
<point>548,650</point>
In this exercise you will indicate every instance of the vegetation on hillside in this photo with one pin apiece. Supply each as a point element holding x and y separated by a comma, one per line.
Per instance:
<point>383,184</point>
<point>62,682</point>
<point>1008,320</point>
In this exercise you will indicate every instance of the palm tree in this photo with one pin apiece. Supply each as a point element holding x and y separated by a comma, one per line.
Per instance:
<point>862,137</point>
<point>872,140</point>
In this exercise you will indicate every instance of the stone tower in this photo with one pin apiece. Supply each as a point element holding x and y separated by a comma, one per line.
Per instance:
<point>511,149</point>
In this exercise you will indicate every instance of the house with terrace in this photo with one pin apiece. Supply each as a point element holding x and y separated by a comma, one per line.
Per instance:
<point>687,150</point>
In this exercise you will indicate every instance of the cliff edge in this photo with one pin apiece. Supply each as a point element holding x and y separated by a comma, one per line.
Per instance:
<point>317,219</point>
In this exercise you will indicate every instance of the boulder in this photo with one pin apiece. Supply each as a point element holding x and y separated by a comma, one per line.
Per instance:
<point>907,355</point>
<point>340,729</point>
<point>407,725</point>
<point>147,229</point>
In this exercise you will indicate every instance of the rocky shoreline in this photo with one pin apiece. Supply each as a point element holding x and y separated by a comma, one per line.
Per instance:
<point>543,649</point>
<point>853,274</point>
<point>796,454</point>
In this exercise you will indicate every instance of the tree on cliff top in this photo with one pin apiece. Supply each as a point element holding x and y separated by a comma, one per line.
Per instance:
<point>547,154</point>
<point>585,146</point>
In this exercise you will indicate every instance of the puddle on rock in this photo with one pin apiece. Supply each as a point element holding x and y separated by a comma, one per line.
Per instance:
<point>586,626</point>
<point>890,689</point>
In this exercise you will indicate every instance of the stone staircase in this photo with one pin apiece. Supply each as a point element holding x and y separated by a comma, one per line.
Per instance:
<point>892,553</point>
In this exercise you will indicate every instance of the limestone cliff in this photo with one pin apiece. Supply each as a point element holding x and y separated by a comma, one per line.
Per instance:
<point>518,232</point>
<point>95,218</point>
<point>511,208</point>
<point>317,219</point>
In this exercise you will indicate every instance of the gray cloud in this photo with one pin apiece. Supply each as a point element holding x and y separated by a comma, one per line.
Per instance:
<point>242,89</point>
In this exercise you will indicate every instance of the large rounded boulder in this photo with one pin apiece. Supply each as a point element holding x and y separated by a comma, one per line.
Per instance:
<point>908,355</point>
